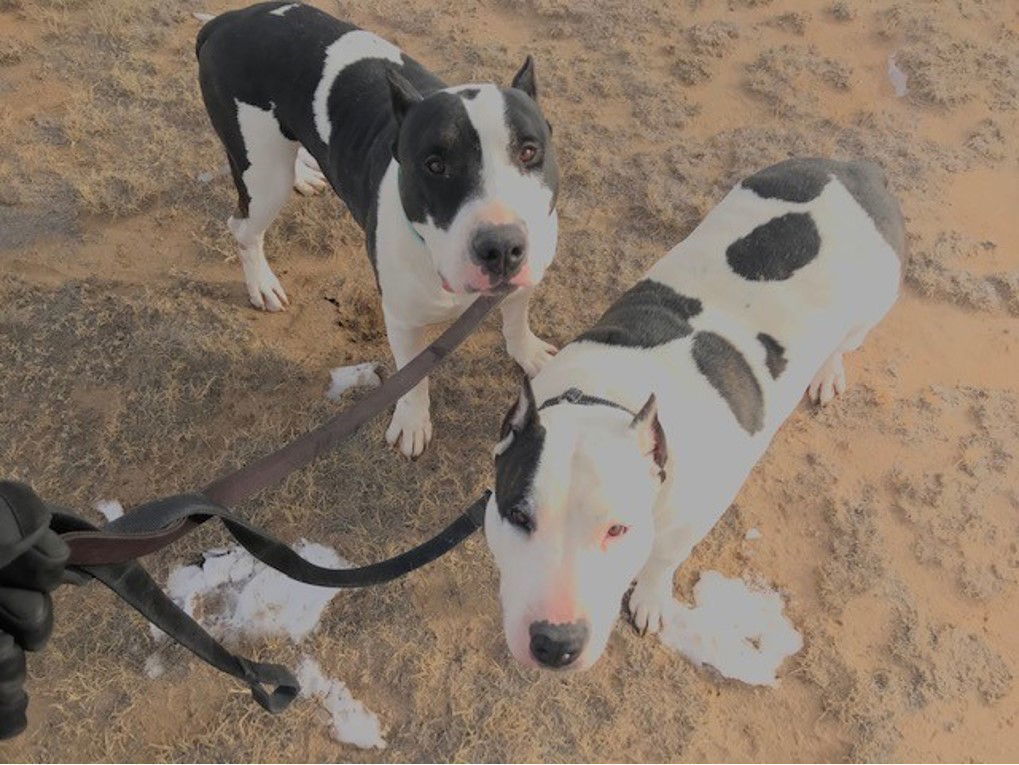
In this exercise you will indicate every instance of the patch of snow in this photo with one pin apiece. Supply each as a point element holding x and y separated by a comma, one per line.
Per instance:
<point>235,596</point>
<point>110,508</point>
<point>251,599</point>
<point>897,77</point>
<point>738,630</point>
<point>154,666</point>
<point>350,721</point>
<point>752,534</point>
<point>358,375</point>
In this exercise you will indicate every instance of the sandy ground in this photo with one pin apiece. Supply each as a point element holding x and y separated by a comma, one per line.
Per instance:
<point>133,367</point>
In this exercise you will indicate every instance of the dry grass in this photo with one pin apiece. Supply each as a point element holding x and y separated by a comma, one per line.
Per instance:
<point>133,368</point>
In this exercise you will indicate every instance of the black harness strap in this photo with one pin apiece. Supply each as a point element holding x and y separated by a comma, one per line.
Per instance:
<point>577,396</point>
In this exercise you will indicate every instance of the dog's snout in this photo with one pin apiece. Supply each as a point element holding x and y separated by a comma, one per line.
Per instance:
<point>558,645</point>
<point>500,250</point>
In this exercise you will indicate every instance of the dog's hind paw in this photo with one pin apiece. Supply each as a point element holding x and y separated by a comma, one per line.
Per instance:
<point>308,177</point>
<point>829,382</point>
<point>532,354</point>
<point>411,428</point>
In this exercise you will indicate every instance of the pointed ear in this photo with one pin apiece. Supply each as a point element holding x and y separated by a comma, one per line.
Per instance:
<point>404,94</point>
<point>523,414</point>
<point>524,79</point>
<point>650,435</point>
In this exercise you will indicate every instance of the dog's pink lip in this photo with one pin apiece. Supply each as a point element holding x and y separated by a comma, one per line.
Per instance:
<point>445,284</point>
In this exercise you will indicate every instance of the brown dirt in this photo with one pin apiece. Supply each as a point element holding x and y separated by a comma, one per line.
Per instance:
<point>135,368</point>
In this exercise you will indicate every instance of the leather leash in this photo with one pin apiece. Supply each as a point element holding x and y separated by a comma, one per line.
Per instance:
<point>128,538</point>
<point>109,554</point>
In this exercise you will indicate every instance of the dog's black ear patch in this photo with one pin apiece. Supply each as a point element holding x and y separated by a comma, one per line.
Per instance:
<point>775,354</point>
<point>649,314</point>
<point>795,180</point>
<point>403,94</point>
<point>730,374</point>
<point>525,79</point>
<point>775,250</point>
<point>517,463</point>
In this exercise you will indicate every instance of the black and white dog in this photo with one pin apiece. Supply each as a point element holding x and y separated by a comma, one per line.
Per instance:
<point>455,188</point>
<point>637,436</point>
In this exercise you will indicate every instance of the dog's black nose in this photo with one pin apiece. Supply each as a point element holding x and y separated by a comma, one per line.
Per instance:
<point>557,645</point>
<point>500,250</point>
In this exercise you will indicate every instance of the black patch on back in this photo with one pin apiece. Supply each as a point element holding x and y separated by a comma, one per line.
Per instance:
<point>795,180</point>
<point>775,354</point>
<point>775,250</point>
<point>438,126</point>
<point>647,315</point>
<point>729,373</point>
<point>803,179</point>
<point>526,123</point>
<point>469,93</point>
<point>515,469</point>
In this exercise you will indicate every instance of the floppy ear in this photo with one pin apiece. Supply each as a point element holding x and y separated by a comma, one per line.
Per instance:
<point>524,79</point>
<point>404,94</point>
<point>650,435</point>
<point>522,416</point>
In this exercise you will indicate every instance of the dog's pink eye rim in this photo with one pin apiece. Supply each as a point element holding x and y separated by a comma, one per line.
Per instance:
<point>616,530</point>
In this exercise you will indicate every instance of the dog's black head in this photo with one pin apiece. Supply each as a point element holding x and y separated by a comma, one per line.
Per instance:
<point>478,180</point>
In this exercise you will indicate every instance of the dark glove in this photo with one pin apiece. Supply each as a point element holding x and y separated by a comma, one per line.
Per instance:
<point>32,559</point>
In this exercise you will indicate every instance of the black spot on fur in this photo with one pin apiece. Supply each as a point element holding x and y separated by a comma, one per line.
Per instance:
<point>775,354</point>
<point>796,180</point>
<point>647,315</point>
<point>730,374</point>
<point>526,123</point>
<point>803,179</point>
<point>438,126</point>
<point>469,93</point>
<point>516,466</point>
<point>775,250</point>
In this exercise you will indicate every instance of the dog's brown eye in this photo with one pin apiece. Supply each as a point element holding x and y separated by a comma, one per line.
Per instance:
<point>435,165</point>
<point>617,530</point>
<point>520,519</point>
<point>528,153</point>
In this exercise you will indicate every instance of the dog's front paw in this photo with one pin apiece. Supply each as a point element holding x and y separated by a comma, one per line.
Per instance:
<point>830,381</point>
<point>264,290</point>
<point>531,354</point>
<point>650,604</point>
<point>411,427</point>
<point>308,177</point>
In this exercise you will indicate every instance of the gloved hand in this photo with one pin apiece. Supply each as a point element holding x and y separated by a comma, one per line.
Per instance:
<point>32,559</point>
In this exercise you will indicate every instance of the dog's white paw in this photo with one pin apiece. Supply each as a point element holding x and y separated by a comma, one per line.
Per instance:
<point>264,289</point>
<point>411,427</point>
<point>650,604</point>
<point>829,382</point>
<point>308,177</point>
<point>531,354</point>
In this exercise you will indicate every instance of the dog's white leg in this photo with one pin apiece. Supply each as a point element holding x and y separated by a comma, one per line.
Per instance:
<point>266,183</point>
<point>651,599</point>
<point>411,425</point>
<point>529,350</point>
<point>308,177</point>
